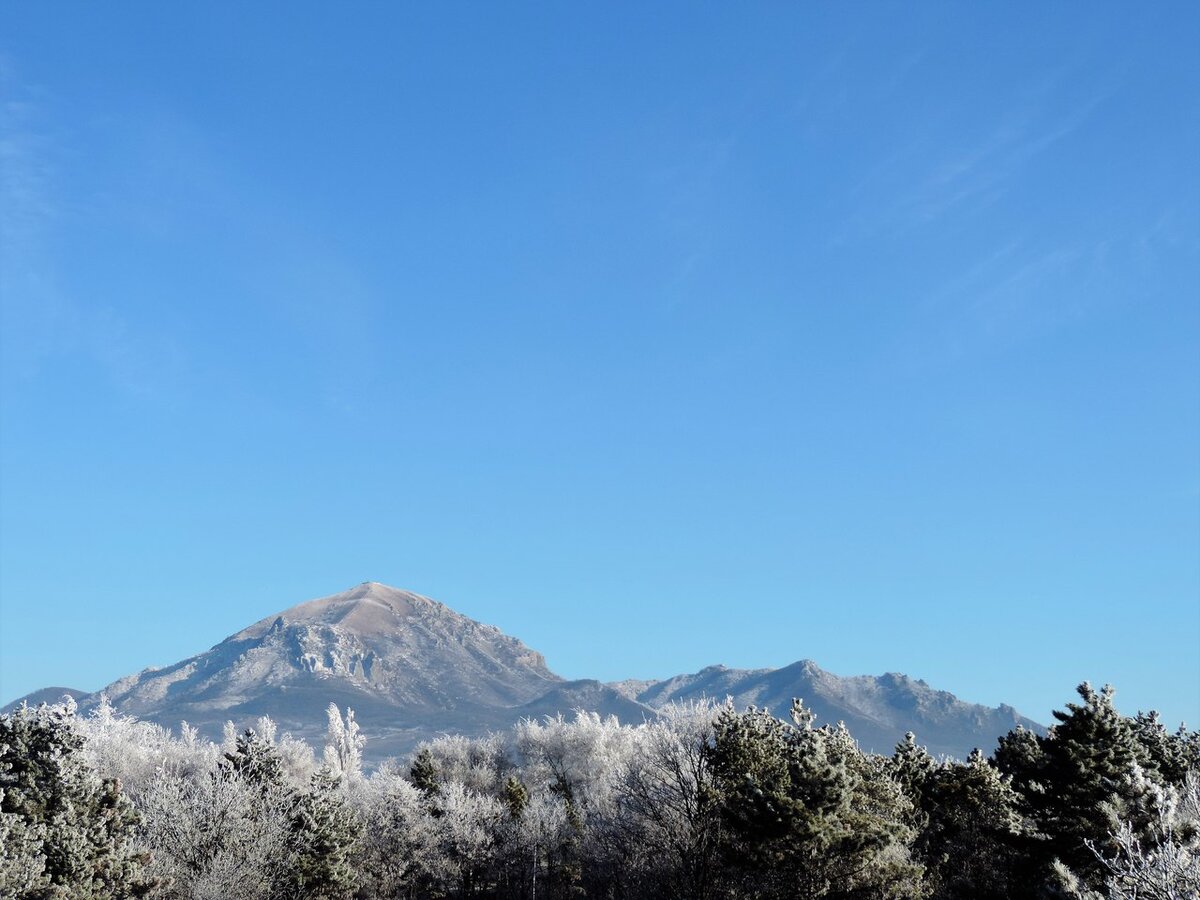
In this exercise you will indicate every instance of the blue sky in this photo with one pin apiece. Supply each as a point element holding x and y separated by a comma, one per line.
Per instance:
<point>659,335</point>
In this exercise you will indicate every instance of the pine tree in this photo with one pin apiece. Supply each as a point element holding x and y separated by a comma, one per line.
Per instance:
<point>255,761</point>
<point>914,770</point>
<point>515,796</point>
<point>974,842</point>
<point>56,810</point>
<point>22,858</point>
<point>1077,784</point>
<point>1169,756</point>
<point>323,835</point>
<point>806,814</point>
<point>424,774</point>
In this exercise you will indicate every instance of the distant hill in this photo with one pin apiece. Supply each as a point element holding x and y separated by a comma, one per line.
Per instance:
<point>412,668</point>
<point>46,695</point>
<point>878,710</point>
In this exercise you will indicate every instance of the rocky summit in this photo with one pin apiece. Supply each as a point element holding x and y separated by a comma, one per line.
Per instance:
<point>412,668</point>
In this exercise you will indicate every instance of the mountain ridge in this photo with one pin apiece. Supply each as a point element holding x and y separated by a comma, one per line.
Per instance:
<point>412,667</point>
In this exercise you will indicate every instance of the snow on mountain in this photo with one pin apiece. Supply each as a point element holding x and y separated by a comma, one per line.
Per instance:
<point>878,710</point>
<point>412,668</point>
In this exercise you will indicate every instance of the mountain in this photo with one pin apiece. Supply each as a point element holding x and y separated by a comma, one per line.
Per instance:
<point>47,695</point>
<point>411,668</point>
<point>878,710</point>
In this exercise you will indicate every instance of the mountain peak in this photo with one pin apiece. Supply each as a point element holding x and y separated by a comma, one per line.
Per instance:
<point>389,653</point>
<point>411,667</point>
<point>369,608</point>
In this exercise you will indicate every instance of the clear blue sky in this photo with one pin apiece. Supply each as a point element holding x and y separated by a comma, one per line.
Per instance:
<point>659,335</point>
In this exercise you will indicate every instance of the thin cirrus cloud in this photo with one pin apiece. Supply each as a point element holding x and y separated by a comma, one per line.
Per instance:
<point>169,181</point>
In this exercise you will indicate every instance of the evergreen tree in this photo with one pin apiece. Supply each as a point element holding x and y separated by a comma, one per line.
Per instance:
<point>974,842</point>
<point>1093,778</point>
<point>1086,778</point>
<point>914,769</point>
<point>806,813</point>
<point>515,796</point>
<point>1019,756</point>
<point>1169,756</point>
<point>67,832</point>
<point>22,860</point>
<point>324,833</point>
<point>255,761</point>
<point>424,774</point>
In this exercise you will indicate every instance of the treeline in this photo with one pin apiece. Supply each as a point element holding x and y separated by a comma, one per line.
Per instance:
<point>707,801</point>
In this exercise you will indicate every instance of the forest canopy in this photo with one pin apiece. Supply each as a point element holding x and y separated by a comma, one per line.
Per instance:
<point>706,801</point>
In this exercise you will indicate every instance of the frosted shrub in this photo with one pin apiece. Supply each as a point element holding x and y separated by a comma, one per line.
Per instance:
<point>215,837</point>
<point>399,849</point>
<point>478,763</point>
<point>122,747</point>
<point>581,761</point>
<point>1161,865</point>
<point>665,827</point>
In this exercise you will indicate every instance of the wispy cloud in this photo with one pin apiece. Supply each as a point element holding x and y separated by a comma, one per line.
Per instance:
<point>31,307</point>
<point>920,184</point>
<point>172,187</point>
<point>44,322</point>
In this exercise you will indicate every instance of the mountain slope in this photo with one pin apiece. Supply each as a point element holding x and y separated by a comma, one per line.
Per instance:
<point>408,665</point>
<point>412,668</point>
<point>878,710</point>
<point>389,644</point>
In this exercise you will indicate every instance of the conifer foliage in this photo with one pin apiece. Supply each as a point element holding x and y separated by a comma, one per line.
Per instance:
<point>67,833</point>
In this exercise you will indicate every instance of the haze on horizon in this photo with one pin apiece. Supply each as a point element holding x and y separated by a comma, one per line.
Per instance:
<point>657,337</point>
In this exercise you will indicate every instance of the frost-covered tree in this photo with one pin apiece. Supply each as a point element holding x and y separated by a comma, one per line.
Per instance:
<point>1170,756</point>
<point>217,836</point>
<point>972,840</point>
<point>249,828</point>
<point>1094,773</point>
<point>664,835</point>
<point>22,856</point>
<point>397,850</point>
<point>322,839</point>
<point>573,770</point>
<point>1163,863</point>
<point>344,744</point>
<point>806,813</point>
<point>68,833</point>
<point>465,835</point>
<point>122,747</point>
<point>480,763</point>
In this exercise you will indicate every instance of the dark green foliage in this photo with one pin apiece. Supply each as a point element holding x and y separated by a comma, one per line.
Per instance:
<point>913,768</point>
<point>1170,756</point>
<point>515,796</point>
<point>67,832</point>
<point>1020,757</point>
<point>1092,778</point>
<point>806,813</point>
<point>972,840</point>
<point>255,761</point>
<point>323,835</point>
<point>1094,770</point>
<point>424,774</point>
